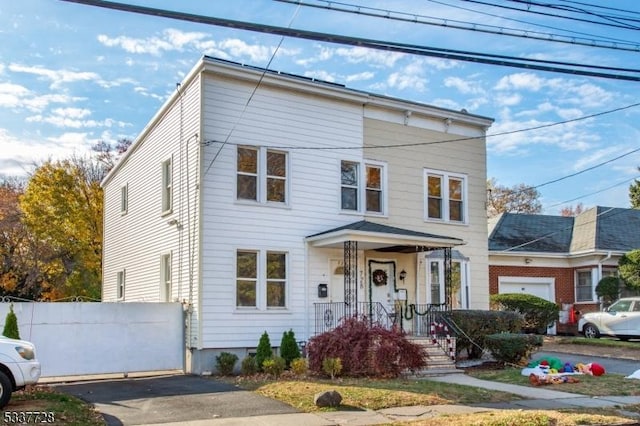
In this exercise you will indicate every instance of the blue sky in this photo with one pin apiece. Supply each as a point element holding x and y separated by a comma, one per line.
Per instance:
<point>71,75</point>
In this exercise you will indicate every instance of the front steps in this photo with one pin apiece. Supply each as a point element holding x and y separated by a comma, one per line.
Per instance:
<point>440,361</point>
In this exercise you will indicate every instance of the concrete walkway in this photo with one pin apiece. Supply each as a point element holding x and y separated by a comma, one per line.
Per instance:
<point>541,398</point>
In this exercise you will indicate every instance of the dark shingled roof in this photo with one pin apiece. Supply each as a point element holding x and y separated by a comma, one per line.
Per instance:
<point>599,228</point>
<point>366,226</point>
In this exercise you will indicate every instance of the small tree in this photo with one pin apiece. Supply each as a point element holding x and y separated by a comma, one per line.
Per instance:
<point>609,289</point>
<point>11,325</point>
<point>629,269</point>
<point>289,348</point>
<point>264,351</point>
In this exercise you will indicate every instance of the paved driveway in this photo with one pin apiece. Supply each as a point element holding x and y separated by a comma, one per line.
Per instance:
<point>177,398</point>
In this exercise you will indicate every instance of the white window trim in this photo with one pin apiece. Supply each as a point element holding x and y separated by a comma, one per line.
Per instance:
<point>121,281</point>
<point>261,281</point>
<point>164,297</point>
<point>261,176</point>
<point>167,185</point>
<point>124,199</point>
<point>594,282</point>
<point>445,196</point>
<point>362,187</point>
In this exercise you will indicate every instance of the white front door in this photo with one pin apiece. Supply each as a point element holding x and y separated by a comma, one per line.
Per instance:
<point>336,289</point>
<point>382,282</point>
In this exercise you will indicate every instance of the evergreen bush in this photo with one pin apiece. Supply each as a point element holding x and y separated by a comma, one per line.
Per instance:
<point>225,363</point>
<point>511,347</point>
<point>477,324</point>
<point>263,351</point>
<point>248,366</point>
<point>609,289</point>
<point>537,313</point>
<point>289,348</point>
<point>11,325</point>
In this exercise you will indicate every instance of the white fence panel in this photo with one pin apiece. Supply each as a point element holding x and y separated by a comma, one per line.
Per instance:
<point>83,338</point>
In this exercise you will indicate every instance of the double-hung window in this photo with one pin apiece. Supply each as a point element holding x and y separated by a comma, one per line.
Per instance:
<point>445,196</point>
<point>261,279</point>
<point>124,199</point>
<point>261,175</point>
<point>584,285</point>
<point>362,187</point>
<point>167,186</point>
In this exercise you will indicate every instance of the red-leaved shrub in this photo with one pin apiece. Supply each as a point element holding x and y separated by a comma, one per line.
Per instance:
<point>366,350</point>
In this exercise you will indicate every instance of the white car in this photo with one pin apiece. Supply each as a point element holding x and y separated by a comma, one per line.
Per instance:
<point>18,367</point>
<point>621,320</point>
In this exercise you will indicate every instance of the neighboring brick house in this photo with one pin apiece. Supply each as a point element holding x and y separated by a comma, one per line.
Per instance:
<point>559,258</point>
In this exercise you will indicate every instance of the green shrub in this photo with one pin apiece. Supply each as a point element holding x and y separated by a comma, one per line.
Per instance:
<point>263,351</point>
<point>511,347</point>
<point>609,289</point>
<point>332,367</point>
<point>274,366</point>
<point>476,325</point>
<point>248,366</point>
<point>11,325</point>
<point>289,347</point>
<point>537,313</point>
<point>299,366</point>
<point>225,363</point>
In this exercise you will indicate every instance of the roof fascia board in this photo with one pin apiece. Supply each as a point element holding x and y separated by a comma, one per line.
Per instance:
<point>378,238</point>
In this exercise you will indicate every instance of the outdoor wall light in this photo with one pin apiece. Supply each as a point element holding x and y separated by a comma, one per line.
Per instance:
<point>403,275</point>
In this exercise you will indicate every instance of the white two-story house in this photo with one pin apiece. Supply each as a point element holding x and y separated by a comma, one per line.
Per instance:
<point>266,202</point>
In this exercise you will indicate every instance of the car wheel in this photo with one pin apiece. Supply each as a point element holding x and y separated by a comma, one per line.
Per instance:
<point>5,389</point>
<point>591,331</point>
<point>624,338</point>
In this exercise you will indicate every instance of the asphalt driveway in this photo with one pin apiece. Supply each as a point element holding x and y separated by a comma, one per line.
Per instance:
<point>176,398</point>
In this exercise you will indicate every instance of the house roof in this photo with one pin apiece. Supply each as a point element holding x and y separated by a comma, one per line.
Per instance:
<point>597,229</point>
<point>376,236</point>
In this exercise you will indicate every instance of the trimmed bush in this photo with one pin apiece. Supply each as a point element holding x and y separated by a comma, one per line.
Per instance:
<point>365,350</point>
<point>537,313</point>
<point>299,366</point>
<point>512,348</point>
<point>11,325</point>
<point>289,347</point>
<point>609,289</point>
<point>332,367</point>
<point>274,366</point>
<point>248,366</point>
<point>477,324</point>
<point>225,363</point>
<point>263,351</point>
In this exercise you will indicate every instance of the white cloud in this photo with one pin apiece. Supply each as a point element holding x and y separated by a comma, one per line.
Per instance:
<point>57,77</point>
<point>367,75</point>
<point>73,118</point>
<point>411,77</point>
<point>320,75</point>
<point>356,55</point>
<point>464,86</point>
<point>508,100</point>
<point>519,81</point>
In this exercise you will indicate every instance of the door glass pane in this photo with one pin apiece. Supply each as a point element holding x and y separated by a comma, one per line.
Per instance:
<point>456,285</point>
<point>435,282</point>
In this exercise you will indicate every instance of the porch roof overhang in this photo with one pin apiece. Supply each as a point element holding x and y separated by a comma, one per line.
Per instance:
<point>375,236</point>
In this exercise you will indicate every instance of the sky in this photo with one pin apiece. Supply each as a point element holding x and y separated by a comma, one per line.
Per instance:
<point>72,75</point>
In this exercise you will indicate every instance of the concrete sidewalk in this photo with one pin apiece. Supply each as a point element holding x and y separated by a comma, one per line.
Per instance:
<point>541,398</point>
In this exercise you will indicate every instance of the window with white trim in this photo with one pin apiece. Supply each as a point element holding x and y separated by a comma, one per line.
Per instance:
<point>167,186</point>
<point>124,199</point>
<point>261,279</point>
<point>165,278</point>
<point>445,196</point>
<point>120,284</point>
<point>261,175</point>
<point>362,187</point>
<point>584,285</point>
<point>436,285</point>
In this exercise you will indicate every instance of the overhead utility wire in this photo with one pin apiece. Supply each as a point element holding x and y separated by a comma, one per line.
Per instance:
<point>601,7</point>
<point>593,193</point>
<point>465,26</point>
<point>626,27</point>
<point>573,9</point>
<point>373,44</point>
<point>523,22</point>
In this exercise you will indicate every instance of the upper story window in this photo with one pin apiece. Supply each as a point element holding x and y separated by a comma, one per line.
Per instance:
<point>261,175</point>
<point>167,186</point>
<point>446,195</point>
<point>362,187</point>
<point>124,199</point>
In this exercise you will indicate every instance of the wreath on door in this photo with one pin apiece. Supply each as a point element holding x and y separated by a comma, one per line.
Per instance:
<point>379,277</point>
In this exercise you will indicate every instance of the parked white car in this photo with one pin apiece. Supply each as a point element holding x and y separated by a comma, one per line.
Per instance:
<point>621,320</point>
<point>19,367</point>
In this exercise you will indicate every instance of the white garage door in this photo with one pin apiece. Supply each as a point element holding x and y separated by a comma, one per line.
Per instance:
<point>541,287</point>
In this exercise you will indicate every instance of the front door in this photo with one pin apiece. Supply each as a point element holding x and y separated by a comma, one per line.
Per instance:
<point>382,276</point>
<point>336,289</point>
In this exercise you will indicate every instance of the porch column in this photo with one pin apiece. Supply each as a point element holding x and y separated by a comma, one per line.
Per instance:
<point>448,264</point>
<point>351,277</point>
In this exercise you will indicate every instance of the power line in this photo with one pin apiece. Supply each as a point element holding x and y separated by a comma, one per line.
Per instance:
<point>531,64</point>
<point>608,17</point>
<point>626,27</point>
<point>593,193</point>
<point>601,7</point>
<point>465,26</point>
